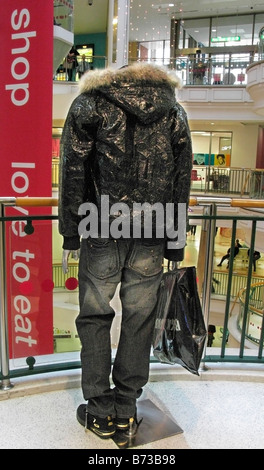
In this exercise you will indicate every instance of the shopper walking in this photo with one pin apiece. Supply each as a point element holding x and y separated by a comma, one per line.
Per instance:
<point>256,256</point>
<point>193,229</point>
<point>227,256</point>
<point>71,63</point>
<point>126,141</point>
<point>83,66</point>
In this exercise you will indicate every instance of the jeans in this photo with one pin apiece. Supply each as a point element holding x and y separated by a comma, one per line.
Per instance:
<point>137,266</point>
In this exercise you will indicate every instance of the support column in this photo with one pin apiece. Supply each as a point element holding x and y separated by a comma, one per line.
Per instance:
<point>118,33</point>
<point>4,354</point>
<point>260,149</point>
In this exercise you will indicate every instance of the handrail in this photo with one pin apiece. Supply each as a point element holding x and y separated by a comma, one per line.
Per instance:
<point>242,291</point>
<point>204,263</point>
<point>193,201</point>
<point>36,201</point>
<point>232,202</point>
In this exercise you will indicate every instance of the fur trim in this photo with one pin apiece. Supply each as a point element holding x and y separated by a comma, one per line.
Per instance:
<point>138,73</point>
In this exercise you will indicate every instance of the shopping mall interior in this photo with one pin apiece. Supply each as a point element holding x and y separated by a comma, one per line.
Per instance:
<point>217,51</point>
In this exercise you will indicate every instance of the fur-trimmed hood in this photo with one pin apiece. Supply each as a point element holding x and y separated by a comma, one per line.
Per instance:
<point>144,90</point>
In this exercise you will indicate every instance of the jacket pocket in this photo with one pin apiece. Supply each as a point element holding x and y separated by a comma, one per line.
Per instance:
<point>102,257</point>
<point>146,258</point>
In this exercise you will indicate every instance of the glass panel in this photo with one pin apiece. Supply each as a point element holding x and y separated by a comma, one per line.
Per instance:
<point>155,51</point>
<point>63,14</point>
<point>30,287</point>
<point>208,145</point>
<point>194,33</point>
<point>259,23</point>
<point>259,36</point>
<point>56,137</point>
<point>211,149</point>
<point>239,64</point>
<point>229,69</point>
<point>232,31</point>
<point>42,301</point>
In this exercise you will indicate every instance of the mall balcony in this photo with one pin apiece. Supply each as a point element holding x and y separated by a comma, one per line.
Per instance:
<point>221,408</point>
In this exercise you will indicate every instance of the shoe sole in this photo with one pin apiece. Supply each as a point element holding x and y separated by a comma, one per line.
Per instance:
<point>103,435</point>
<point>122,427</point>
<point>125,426</point>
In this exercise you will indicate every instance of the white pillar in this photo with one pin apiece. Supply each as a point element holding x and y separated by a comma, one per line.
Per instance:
<point>118,33</point>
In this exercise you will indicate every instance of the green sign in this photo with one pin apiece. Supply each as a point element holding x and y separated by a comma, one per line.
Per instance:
<point>227,39</point>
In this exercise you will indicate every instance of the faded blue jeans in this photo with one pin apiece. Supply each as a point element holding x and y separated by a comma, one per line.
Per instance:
<point>137,265</point>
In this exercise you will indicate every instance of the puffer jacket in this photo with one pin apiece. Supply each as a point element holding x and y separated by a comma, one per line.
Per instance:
<point>125,137</point>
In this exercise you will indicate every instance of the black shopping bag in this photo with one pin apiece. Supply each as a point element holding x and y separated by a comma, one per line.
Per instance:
<point>180,331</point>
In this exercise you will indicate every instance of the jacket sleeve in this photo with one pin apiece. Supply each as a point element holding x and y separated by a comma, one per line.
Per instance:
<point>182,151</point>
<point>76,151</point>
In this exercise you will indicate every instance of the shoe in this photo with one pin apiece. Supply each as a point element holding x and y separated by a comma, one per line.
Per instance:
<point>122,424</point>
<point>219,265</point>
<point>128,425</point>
<point>102,427</point>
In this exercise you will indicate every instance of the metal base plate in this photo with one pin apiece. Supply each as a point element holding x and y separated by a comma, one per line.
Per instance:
<point>154,426</point>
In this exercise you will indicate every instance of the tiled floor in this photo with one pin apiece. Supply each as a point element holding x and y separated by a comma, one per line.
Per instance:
<point>219,410</point>
<point>222,243</point>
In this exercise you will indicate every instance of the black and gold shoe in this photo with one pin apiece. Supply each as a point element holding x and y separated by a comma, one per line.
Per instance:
<point>102,427</point>
<point>127,425</point>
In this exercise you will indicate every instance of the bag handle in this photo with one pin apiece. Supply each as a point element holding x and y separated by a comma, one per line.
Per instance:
<point>172,265</point>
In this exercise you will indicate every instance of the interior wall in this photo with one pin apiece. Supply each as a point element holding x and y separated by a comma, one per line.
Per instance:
<point>244,142</point>
<point>244,146</point>
<point>98,39</point>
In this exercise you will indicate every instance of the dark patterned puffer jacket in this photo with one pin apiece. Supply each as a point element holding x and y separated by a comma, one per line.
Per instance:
<point>125,137</point>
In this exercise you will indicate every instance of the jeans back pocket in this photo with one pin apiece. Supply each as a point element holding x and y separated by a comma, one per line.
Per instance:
<point>102,257</point>
<point>146,258</point>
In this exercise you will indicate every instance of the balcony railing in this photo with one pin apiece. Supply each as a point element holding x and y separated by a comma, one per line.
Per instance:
<point>210,71</point>
<point>209,179</point>
<point>64,290</point>
<point>253,327</point>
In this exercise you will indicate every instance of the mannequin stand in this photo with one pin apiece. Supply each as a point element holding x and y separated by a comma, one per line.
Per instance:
<point>154,425</point>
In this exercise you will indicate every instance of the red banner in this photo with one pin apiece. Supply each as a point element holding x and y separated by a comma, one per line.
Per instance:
<point>26,32</point>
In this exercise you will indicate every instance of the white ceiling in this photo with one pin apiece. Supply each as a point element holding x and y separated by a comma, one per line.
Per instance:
<point>90,19</point>
<point>152,17</point>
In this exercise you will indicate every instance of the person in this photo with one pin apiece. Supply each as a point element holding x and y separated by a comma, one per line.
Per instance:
<point>83,66</point>
<point>71,63</point>
<point>256,256</point>
<point>227,256</point>
<point>214,281</point>
<point>229,78</point>
<point>210,333</point>
<point>199,159</point>
<point>125,142</point>
<point>221,159</point>
<point>193,229</point>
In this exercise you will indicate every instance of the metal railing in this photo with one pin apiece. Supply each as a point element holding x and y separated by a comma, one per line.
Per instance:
<point>254,326</point>
<point>241,181</point>
<point>192,71</point>
<point>229,282</point>
<point>61,75</point>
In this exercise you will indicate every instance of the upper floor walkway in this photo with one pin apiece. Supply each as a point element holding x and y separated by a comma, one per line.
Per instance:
<point>231,102</point>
